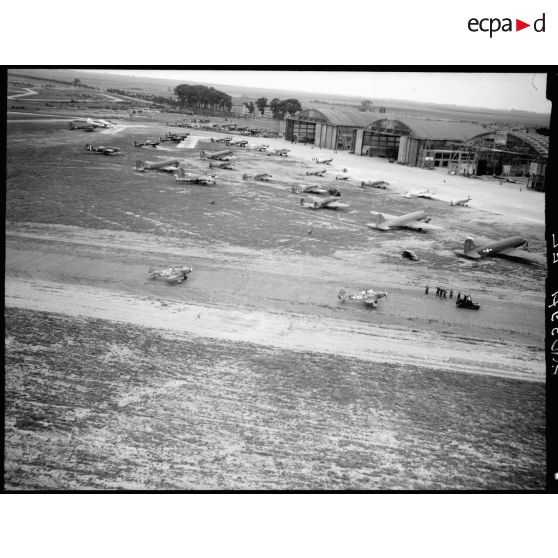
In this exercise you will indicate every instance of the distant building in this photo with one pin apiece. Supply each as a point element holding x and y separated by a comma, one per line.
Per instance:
<point>242,111</point>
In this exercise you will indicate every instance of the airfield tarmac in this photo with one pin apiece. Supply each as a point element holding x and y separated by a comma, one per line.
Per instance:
<point>252,374</point>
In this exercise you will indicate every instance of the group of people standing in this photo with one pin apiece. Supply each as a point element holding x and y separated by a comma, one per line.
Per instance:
<point>442,293</point>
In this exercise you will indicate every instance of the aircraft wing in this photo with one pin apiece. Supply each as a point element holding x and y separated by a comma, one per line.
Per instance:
<point>517,253</point>
<point>422,226</point>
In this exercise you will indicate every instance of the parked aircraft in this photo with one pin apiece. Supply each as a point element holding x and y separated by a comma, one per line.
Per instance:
<point>263,177</point>
<point>225,155</point>
<point>374,184</point>
<point>223,165</point>
<point>81,125</point>
<point>342,177</point>
<point>421,194</point>
<point>308,189</point>
<point>464,203</point>
<point>260,147</point>
<point>171,274</point>
<point>239,143</point>
<point>226,140</point>
<point>100,123</point>
<point>316,173</point>
<point>280,152</point>
<point>369,297</point>
<point>327,203</point>
<point>176,138</point>
<point>514,247</point>
<point>183,176</point>
<point>105,150</point>
<point>324,161</point>
<point>146,143</point>
<point>169,165</point>
<point>417,221</point>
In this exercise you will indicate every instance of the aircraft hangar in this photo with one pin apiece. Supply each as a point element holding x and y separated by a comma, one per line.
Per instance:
<point>461,147</point>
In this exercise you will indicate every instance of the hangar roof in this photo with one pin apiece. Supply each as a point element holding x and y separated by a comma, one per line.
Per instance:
<point>431,129</point>
<point>338,117</point>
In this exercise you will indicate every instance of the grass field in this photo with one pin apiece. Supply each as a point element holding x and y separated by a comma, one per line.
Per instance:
<point>97,404</point>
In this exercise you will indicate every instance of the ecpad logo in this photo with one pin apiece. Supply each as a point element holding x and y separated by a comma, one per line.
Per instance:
<point>493,25</point>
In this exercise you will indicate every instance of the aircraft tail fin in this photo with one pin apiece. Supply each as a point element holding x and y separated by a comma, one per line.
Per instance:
<point>341,295</point>
<point>202,154</point>
<point>469,246</point>
<point>140,165</point>
<point>380,219</point>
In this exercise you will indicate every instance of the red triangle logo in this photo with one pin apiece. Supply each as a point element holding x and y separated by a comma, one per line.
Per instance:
<point>519,25</point>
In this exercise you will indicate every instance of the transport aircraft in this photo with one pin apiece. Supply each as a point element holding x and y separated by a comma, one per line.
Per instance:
<point>326,203</point>
<point>369,296</point>
<point>104,149</point>
<point>417,221</point>
<point>170,274</point>
<point>514,247</point>
<point>239,143</point>
<point>170,165</point>
<point>324,161</point>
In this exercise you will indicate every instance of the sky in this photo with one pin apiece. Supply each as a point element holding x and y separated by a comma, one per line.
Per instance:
<point>497,91</point>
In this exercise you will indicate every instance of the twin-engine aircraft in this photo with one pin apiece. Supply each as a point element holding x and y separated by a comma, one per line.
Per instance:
<point>192,178</point>
<point>225,155</point>
<point>369,297</point>
<point>514,247</point>
<point>146,143</point>
<point>381,184</point>
<point>326,203</point>
<point>170,165</point>
<point>428,194</point>
<point>417,221</point>
<point>105,150</point>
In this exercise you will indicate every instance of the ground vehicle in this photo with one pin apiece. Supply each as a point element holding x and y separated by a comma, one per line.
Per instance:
<point>466,301</point>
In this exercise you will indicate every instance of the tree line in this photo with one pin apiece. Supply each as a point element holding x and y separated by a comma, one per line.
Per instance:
<point>201,96</point>
<point>278,107</point>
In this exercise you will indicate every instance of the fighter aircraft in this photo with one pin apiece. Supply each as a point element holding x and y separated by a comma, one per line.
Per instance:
<point>226,140</point>
<point>324,161</point>
<point>369,297</point>
<point>514,247</point>
<point>417,221</point>
<point>263,177</point>
<point>421,194</point>
<point>183,176</point>
<point>464,203</point>
<point>342,177</point>
<point>171,274</point>
<point>280,152</point>
<point>146,143</point>
<point>224,165</point>
<point>170,165</point>
<point>326,203</point>
<point>105,150</point>
<point>225,155</point>
<point>260,147</point>
<point>316,173</point>
<point>374,184</point>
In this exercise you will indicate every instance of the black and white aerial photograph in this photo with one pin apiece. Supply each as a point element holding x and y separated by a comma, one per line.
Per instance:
<point>258,280</point>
